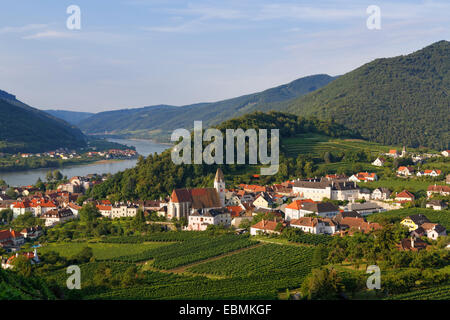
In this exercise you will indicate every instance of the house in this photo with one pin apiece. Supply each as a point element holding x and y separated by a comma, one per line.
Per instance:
<point>413,222</point>
<point>199,220</point>
<point>267,226</point>
<point>333,190</point>
<point>106,211</point>
<point>323,209</point>
<point>235,211</point>
<point>120,210</point>
<point>404,196</point>
<point>438,189</point>
<point>363,176</point>
<point>364,193</point>
<point>446,153</point>
<point>11,238</point>
<point>346,214</point>
<point>263,200</point>
<point>184,202</point>
<point>349,225</point>
<point>393,153</point>
<point>379,162</point>
<point>31,256</point>
<point>433,230</point>
<point>74,208</point>
<point>430,173</point>
<point>405,171</point>
<point>412,244</point>
<point>32,233</point>
<point>436,204</point>
<point>292,210</point>
<point>57,216</point>
<point>365,208</point>
<point>381,194</point>
<point>308,224</point>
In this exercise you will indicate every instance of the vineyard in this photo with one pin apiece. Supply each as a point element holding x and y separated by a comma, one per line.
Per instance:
<point>316,144</point>
<point>310,238</point>
<point>195,249</point>
<point>269,258</point>
<point>437,293</point>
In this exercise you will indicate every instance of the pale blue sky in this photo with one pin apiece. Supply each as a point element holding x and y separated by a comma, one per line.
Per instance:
<point>144,52</point>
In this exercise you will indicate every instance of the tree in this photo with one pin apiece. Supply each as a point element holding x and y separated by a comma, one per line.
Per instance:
<point>322,284</point>
<point>6,215</point>
<point>22,266</point>
<point>49,176</point>
<point>40,185</point>
<point>57,175</point>
<point>84,255</point>
<point>129,276</point>
<point>139,220</point>
<point>89,212</point>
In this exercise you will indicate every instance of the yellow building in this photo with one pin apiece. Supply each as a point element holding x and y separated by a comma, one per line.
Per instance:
<point>414,221</point>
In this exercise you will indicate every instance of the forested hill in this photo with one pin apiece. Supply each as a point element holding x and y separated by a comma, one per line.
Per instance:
<point>72,117</point>
<point>160,121</point>
<point>157,175</point>
<point>26,129</point>
<point>403,100</point>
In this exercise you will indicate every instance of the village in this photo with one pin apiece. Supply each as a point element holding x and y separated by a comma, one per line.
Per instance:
<point>334,205</point>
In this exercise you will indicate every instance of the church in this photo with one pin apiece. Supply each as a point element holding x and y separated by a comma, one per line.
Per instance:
<point>184,202</point>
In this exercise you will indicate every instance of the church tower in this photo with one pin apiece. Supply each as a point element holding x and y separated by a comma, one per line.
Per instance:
<point>219,185</point>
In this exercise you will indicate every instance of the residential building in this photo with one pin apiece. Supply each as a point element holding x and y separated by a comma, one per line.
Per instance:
<point>57,216</point>
<point>436,204</point>
<point>405,171</point>
<point>413,222</point>
<point>404,196</point>
<point>381,194</point>
<point>292,210</point>
<point>199,220</point>
<point>267,226</point>
<point>322,209</point>
<point>363,177</point>
<point>430,173</point>
<point>121,210</point>
<point>379,162</point>
<point>317,190</point>
<point>438,189</point>
<point>263,200</point>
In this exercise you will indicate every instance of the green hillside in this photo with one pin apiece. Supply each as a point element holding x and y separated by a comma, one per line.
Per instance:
<point>403,100</point>
<point>159,121</point>
<point>26,129</point>
<point>16,287</point>
<point>72,117</point>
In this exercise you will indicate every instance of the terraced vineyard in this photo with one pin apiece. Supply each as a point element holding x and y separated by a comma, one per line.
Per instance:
<point>316,144</point>
<point>438,293</point>
<point>268,258</point>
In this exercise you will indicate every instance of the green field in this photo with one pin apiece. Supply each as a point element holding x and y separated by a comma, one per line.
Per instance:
<point>100,250</point>
<point>316,144</point>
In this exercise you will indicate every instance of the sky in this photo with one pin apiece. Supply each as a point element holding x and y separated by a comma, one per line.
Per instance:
<point>144,52</point>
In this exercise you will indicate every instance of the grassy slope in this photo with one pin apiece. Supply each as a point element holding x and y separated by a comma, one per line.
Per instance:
<point>27,129</point>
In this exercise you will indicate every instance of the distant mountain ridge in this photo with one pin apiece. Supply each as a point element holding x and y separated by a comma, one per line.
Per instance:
<point>7,96</point>
<point>403,100</point>
<point>72,117</point>
<point>26,129</point>
<point>160,120</point>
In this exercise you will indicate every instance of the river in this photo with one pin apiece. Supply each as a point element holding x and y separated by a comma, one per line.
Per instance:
<point>29,177</point>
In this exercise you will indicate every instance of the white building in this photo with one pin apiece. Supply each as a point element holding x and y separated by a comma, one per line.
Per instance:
<point>317,190</point>
<point>199,221</point>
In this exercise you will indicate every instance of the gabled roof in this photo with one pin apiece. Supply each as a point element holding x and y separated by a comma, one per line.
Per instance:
<point>405,194</point>
<point>418,219</point>
<point>320,207</point>
<point>266,225</point>
<point>305,221</point>
<point>297,204</point>
<point>199,198</point>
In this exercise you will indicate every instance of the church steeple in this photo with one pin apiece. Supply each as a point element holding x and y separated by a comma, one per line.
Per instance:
<point>219,185</point>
